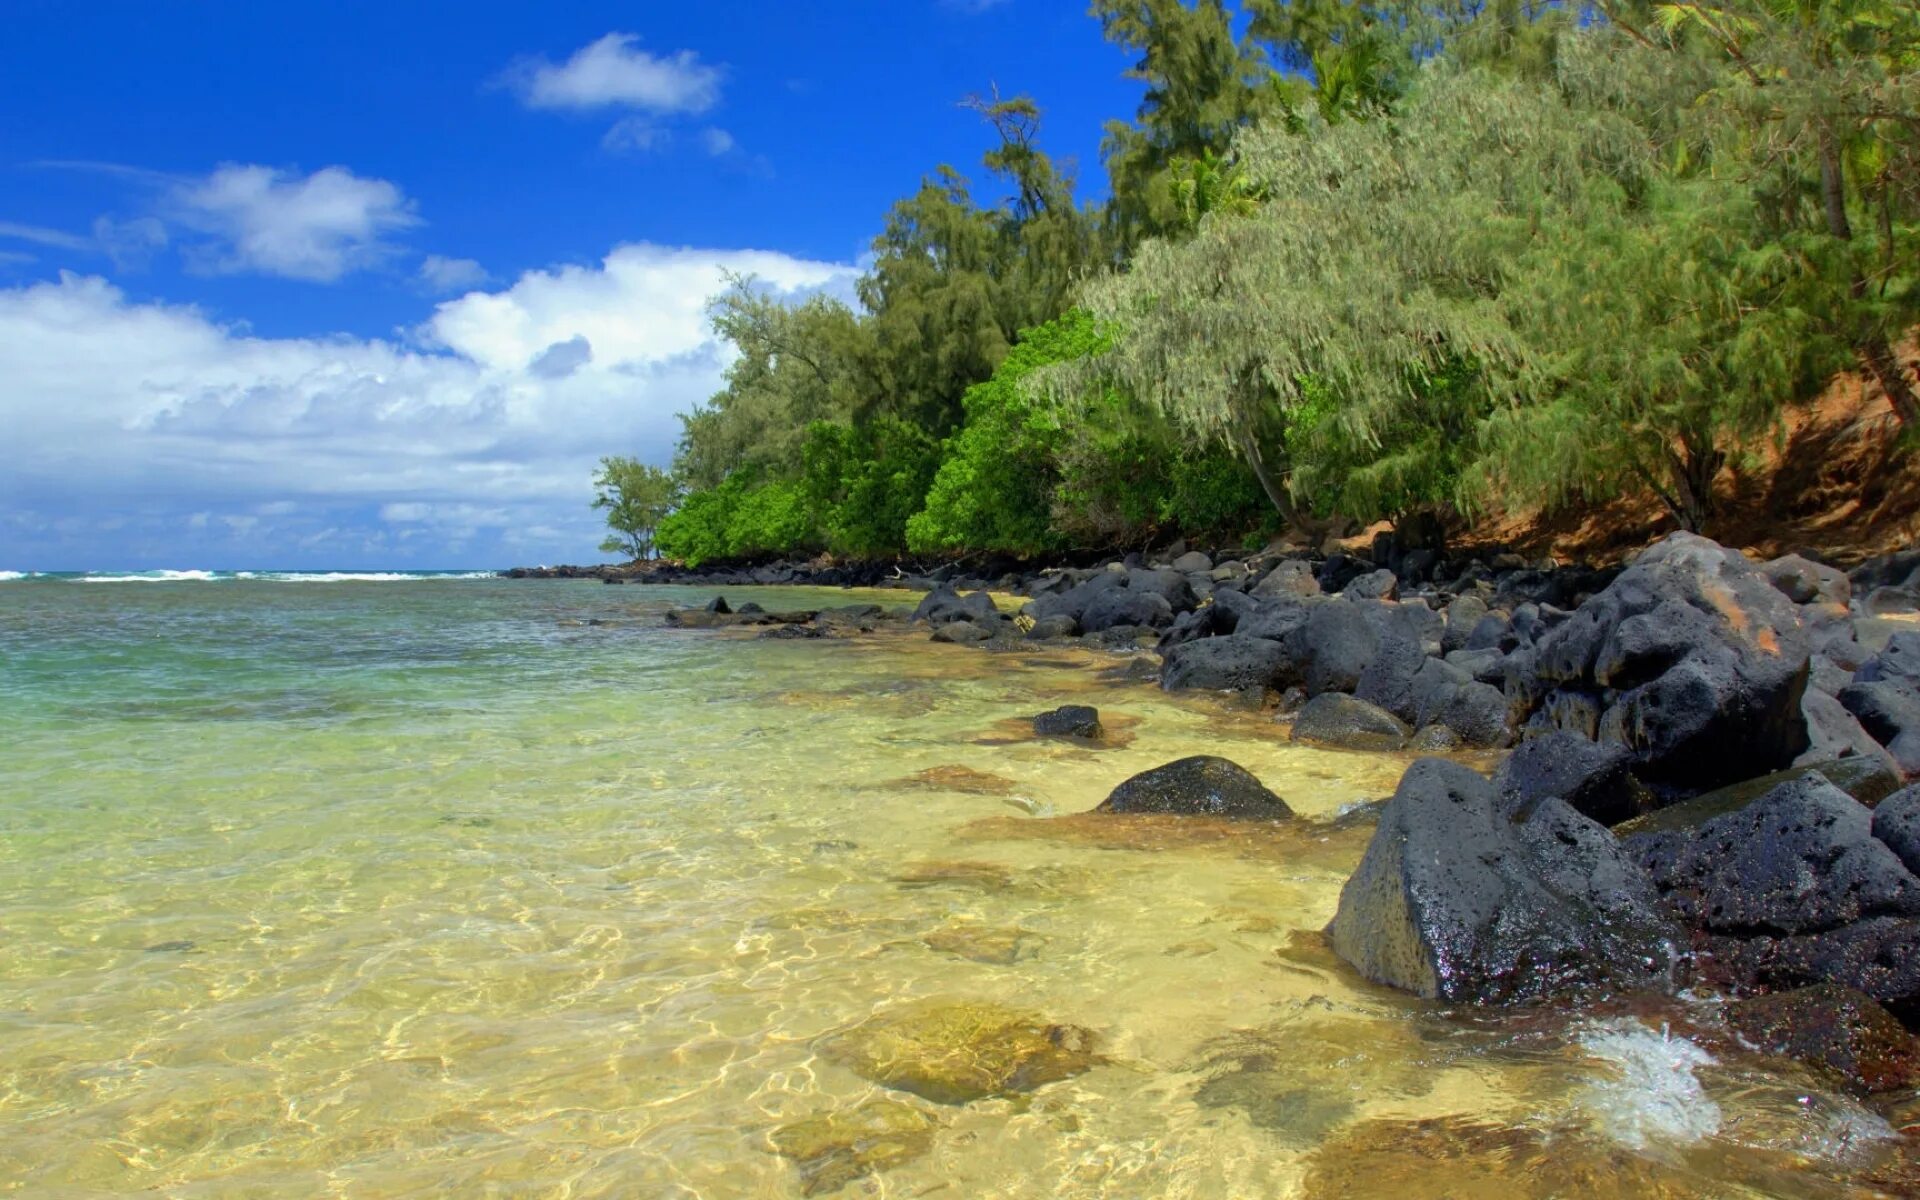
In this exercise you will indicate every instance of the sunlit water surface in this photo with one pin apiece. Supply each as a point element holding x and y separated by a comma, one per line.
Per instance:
<point>386,888</point>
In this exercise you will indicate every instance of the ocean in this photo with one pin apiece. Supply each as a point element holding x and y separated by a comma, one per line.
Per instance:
<point>381,884</point>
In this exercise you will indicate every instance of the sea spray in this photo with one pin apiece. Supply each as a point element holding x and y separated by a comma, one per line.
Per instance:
<point>1653,1094</point>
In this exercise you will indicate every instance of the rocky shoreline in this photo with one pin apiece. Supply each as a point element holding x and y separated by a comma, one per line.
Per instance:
<point>1708,785</point>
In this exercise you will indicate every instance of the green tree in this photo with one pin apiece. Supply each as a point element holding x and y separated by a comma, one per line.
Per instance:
<point>635,496</point>
<point>1826,93</point>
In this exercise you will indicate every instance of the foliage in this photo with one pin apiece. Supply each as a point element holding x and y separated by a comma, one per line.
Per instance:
<point>737,520</point>
<point>864,481</point>
<point>636,497</point>
<point>1360,259</point>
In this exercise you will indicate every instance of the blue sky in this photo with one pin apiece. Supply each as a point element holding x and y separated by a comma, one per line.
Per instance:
<point>374,284</point>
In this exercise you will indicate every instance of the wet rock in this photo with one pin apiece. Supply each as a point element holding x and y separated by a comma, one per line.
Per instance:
<point>1699,661</point>
<point>1333,719</point>
<point>1237,663</point>
<point>943,605</point>
<point>1801,859</point>
<point>782,633</point>
<point>1455,901</point>
<point>961,632</point>
<point>1804,581</point>
<point>994,947</point>
<point>1596,780</point>
<point>1468,1158</point>
<point>1880,957</point>
<point>1060,625</point>
<point>1433,739</point>
<point>718,605</point>
<point>1202,785</point>
<point>956,1053</point>
<point>833,1149</point>
<point>1865,779</point>
<point>1896,823</point>
<point>1834,1027</point>
<point>1071,720</point>
<point>953,777</point>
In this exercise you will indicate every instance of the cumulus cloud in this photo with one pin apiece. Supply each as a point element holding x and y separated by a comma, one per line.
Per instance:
<point>316,227</point>
<point>441,274</point>
<point>614,72</point>
<point>153,434</point>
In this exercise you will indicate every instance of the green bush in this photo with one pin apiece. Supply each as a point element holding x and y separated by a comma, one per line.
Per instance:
<point>738,519</point>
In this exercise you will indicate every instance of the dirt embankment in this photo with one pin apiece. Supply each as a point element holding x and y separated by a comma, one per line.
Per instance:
<point>1835,477</point>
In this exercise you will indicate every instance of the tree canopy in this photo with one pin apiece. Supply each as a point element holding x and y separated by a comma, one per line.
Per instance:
<point>1359,259</point>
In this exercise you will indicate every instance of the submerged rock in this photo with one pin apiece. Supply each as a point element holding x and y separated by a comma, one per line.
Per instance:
<point>1834,1027</point>
<point>954,777</point>
<point>976,943</point>
<point>1201,785</point>
<point>833,1149</point>
<point>1070,720</point>
<point>1455,901</point>
<point>956,1053</point>
<point>1336,719</point>
<point>1467,1158</point>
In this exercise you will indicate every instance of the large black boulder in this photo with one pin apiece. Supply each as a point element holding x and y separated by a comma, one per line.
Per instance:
<point>1802,859</point>
<point>1334,645</point>
<point>1199,786</point>
<point>1596,780</point>
<point>1696,661</point>
<point>1235,664</point>
<point>1126,606</point>
<point>943,605</point>
<point>1453,900</point>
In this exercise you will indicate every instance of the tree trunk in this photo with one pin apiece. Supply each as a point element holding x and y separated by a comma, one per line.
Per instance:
<point>1276,495</point>
<point>1693,470</point>
<point>1872,346</point>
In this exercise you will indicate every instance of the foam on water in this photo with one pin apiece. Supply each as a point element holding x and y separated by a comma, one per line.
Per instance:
<point>1653,1093</point>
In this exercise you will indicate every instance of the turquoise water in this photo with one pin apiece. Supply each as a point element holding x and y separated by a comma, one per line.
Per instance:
<point>459,886</point>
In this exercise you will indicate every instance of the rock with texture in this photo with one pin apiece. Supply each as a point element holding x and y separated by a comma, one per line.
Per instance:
<point>1202,785</point>
<point>1455,901</point>
<point>1698,663</point>
<point>1596,780</point>
<point>1333,719</point>
<point>1069,720</point>
<point>1835,1027</point>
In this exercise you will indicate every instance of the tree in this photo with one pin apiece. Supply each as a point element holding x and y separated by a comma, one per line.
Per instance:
<point>636,497</point>
<point>1824,96</point>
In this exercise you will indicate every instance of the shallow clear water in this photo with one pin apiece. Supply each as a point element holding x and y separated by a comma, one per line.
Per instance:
<point>409,888</point>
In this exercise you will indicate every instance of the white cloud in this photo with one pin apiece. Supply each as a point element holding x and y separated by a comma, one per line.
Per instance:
<point>717,141</point>
<point>441,274</point>
<point>151,413</point>
<point>614,73</point>
<point>40,235</point>
<point>318,227</point>
<point>634,133</point>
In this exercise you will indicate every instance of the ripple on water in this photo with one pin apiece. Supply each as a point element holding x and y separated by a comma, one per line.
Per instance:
<point>399,890</point>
